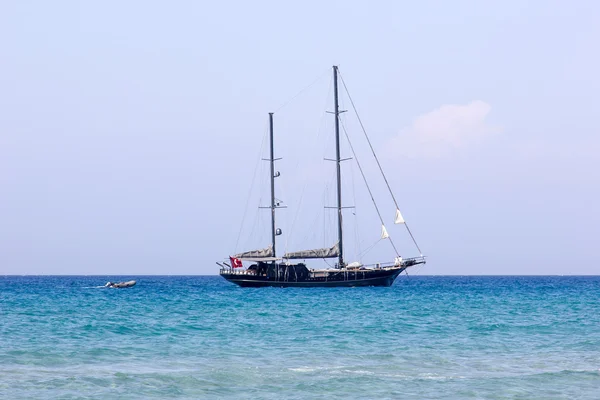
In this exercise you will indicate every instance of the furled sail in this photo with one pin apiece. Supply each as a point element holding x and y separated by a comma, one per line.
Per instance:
<point>316,253</point>
<point>249,255</point>
<point>399,219</point>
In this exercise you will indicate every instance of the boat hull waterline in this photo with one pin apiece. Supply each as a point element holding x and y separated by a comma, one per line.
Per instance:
<point>384,277</point>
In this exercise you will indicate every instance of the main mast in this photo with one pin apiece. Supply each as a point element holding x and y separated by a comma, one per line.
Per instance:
<point>272,162</point>
<point>337,163</point>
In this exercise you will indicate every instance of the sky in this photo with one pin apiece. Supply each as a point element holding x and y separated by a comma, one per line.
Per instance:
<point>130,132</point>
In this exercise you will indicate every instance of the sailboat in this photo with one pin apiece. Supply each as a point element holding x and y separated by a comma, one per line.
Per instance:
<point>267,269</point>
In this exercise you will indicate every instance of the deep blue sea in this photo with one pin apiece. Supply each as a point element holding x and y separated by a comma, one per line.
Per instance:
<point>64,337</point>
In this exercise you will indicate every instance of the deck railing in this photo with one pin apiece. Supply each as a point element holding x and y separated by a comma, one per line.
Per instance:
<point>408,262</point>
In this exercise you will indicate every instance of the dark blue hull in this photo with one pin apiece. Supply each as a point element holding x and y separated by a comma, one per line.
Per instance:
<point>335,279</point>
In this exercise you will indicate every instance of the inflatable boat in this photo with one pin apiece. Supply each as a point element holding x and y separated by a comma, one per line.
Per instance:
<point>120,285</point>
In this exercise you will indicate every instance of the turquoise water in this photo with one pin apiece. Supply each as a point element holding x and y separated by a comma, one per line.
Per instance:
<point>202,337</point>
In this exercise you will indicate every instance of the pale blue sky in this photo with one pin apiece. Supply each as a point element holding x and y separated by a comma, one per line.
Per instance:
<point>129,131</point>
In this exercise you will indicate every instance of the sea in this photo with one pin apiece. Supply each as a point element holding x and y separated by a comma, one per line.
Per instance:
<point>196,337</point>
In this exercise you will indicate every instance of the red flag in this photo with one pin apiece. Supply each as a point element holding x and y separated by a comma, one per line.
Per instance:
<point>235,262</point>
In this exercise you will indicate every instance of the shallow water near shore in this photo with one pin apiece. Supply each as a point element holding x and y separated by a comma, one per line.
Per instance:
<point>64,337</point>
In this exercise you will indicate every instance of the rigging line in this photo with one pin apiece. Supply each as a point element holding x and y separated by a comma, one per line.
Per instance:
<point>366,183</point>
<point>356,231</point>
<point>303,90</point>
<point>330,218</point>
<point>262,145</point>
<point>413,238</point>
<point>419,268</point>
<point>319,132</point>
<point>377,160</point>
<point>257,222</point>
<point>260,217</point>
<point>325,215</point>
<point>368,249</point>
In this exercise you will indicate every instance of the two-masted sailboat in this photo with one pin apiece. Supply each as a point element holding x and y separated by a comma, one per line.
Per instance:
<point>267,269</point>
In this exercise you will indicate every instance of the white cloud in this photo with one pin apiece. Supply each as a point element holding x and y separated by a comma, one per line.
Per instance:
<point>444,130</point>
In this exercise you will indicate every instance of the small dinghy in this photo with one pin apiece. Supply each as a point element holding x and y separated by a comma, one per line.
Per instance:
<point>120,285</point>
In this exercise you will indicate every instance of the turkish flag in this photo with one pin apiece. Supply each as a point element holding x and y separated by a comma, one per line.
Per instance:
<point>235,262</point>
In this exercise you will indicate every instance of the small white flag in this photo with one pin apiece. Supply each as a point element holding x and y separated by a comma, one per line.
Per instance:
<point>384,234</point>
<point>399,219</point>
